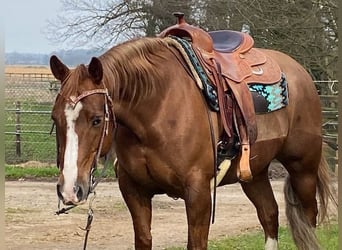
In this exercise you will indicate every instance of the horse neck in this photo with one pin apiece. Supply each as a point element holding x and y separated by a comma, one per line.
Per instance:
<point>135,115</point>
<point>166,98</point>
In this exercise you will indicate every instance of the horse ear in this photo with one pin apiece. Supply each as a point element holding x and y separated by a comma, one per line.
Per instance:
<point>59,70</point>
<point>95,69</point>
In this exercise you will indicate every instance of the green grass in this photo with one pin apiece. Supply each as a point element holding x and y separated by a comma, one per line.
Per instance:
<point>13,172</point>
<point>328,237</point>
<point>16,172</point>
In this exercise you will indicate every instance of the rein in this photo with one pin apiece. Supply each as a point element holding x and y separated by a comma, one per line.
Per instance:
<point>93,183</point>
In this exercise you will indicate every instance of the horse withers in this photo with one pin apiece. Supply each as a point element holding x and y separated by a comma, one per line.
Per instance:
<point>139,97</point>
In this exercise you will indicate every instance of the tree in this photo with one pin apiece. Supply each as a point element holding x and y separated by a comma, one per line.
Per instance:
<point>304,29</point>
<point>104,23</point>
<point>84,23</point>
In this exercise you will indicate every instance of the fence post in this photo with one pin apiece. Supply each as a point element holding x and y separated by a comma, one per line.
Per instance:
<point>17,129</point>
<point>336,165</point>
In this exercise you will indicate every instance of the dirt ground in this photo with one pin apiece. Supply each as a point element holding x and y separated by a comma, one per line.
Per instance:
<point>32,224</point>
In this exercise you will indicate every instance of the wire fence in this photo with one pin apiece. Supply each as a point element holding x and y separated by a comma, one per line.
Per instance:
<point>30,97</point>
<point>28,104</point>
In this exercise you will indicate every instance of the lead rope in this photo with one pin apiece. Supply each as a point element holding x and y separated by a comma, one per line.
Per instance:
<point>92,185</point>
<point>89,218</point>
<point>63,210</point>
<point>89,221</point>
<point>98,154</point>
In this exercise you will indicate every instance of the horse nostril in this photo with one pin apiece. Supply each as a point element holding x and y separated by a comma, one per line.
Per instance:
<point>59,193</point>
<point>79,193</point>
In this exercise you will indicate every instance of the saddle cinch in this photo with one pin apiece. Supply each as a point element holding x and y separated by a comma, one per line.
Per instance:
<point>231,63</point>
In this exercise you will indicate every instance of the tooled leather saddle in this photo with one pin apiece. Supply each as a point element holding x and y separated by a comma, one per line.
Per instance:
<point>231,63</point>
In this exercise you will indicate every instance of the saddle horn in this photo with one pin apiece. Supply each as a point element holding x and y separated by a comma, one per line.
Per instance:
<point>180,16</point>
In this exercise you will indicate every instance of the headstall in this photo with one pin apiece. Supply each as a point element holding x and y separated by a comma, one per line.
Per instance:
<point>108,104</point>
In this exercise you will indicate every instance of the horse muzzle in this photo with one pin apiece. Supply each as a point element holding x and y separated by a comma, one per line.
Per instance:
<point>75,195</point>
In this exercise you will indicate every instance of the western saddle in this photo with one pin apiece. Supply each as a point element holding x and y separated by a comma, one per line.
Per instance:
<point>231,63</point>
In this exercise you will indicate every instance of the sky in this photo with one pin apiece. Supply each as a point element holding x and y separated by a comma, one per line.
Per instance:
<point>24,21</point>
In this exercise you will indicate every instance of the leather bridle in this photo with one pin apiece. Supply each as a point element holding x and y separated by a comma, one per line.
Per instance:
<point>108,104</point>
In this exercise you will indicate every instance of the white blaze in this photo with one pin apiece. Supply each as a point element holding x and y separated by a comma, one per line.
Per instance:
<point>71,151</point>
<point>271,244</point>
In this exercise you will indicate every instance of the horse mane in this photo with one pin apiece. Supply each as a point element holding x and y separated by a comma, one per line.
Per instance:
<point>135,68</point>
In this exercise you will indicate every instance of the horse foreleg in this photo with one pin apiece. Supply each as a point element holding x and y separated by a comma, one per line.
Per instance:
<point>139,204</point>
<point>260,193</point>
<point>198,204</point>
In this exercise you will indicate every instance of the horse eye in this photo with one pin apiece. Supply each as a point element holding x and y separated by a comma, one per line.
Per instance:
<point>96,121</point>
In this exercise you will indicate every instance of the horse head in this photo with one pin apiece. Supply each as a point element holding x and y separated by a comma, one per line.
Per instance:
<point>84,126</point>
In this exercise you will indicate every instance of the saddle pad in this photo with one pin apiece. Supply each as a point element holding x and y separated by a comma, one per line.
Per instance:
<point>268,98</point>
<point>201,78</point>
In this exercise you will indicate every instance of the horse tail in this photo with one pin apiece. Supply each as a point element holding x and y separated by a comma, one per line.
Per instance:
<point>302,231</point>
<point>326,192</point>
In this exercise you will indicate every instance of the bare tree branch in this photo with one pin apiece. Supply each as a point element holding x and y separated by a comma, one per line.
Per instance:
<point>305,29</point>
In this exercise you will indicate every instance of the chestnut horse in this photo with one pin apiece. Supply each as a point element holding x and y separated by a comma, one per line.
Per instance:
<point>138,97</point>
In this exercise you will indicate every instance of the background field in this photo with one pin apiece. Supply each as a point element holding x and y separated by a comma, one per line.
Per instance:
<point>30,69</point>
